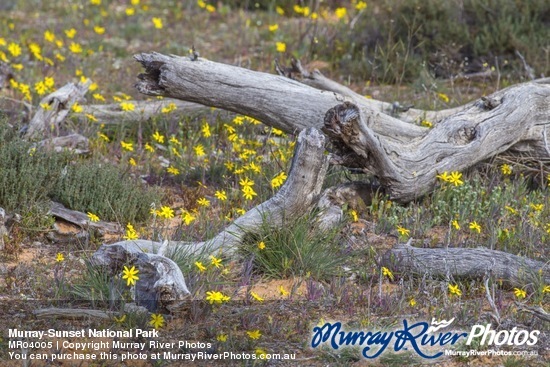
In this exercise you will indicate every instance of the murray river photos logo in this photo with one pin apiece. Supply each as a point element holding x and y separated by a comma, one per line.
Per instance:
<point>420,337</point>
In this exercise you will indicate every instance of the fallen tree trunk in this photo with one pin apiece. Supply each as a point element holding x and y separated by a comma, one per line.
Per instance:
<point>404,156</point>
<point>75,143</point>
<point>81,219</point>
<point>464,263</point>
<point>143,110</point>
<point>298,195</point>
<point>54,108</point>
<point>317,80</point>
<point>161,281</point>
<point>276,101</point>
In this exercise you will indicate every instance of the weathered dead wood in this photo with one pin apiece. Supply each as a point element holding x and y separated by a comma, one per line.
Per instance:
<point>259,95</point>
<point>72,313</point>
<point>75,143</point>
<point>275,100</point>
<point>405,157</point>
<point>317,80</point>
<point>517,118</point>
<point>82,313</point>
<point>59,104</point>
<point>82,220</point>
<point>161,281</point>
<point>354,195</point>
<point>298,195</point>
<point>536,311</point>
<point>144,110</point>
<point>464,263</point>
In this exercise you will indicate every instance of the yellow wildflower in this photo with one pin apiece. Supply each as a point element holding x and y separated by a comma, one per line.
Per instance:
<point>166,212</point>
<point>200,266</point>
<point>75,48</point>
<point>216,297</point>
<point>49,36</point>
<point>403,231</point>
<point>131,233</point>
<point>173,170</point>
<point>158,137</point>
<point>217,262</point>
<point>278,180</point>
<point>205,129</point>
<point>199,150</point>
<point>455,178</point>
<point>280,46</point>
<point>340,12</point>
<point>387,272</point>
<point>520,293</point>
<point>474,226</point>
<point>256,296</point>
<point>92,217</point>
<point>203,202</point>
<point>157,22</point>
<point>443,97</point>
<point>360,5</point>
<point>99,30</point>
<point>221,195</point>
<point>70,33</point>
<point>130,274</point>
<point>127,106</point>
<point>127,146</point>
<point>453,289</point>
<point>254,334</point>
<point>77,108</point>
<point>187,217</point>
<point>169,108</point>
<point>506,169</point>
<point>157,321</point>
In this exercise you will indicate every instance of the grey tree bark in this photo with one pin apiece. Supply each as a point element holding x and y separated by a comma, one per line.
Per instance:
<point>404,156</point>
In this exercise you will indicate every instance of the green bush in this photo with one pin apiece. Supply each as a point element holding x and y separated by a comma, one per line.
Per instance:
<point>30,178</point>
<point>296,249</point>
<point>104,190</point>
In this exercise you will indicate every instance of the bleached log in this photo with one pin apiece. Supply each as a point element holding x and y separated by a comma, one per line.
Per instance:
<point>75,143</point>
<point>110,114</point>
<point>298,195</point>
<point>275,100</point>
<point>317,80</point>
<point>508,121</point>
<point>72,313</point>
<point>59,104</point>
<point>464,263</point>
<point>81,219</point>
<point>405,157</point>
<point>161,282</point>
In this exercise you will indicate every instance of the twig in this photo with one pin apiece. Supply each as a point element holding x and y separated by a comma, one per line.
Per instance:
<point>496,314</point>
<point>529,70</point>
<point>535,311</point>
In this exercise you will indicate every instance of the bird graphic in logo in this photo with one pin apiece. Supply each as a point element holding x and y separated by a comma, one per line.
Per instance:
<point>436,325</point>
